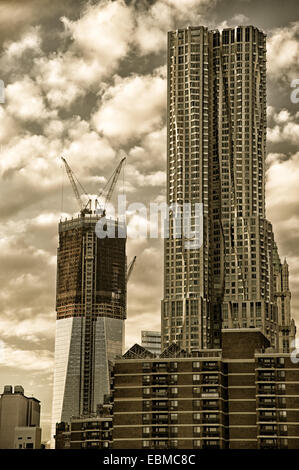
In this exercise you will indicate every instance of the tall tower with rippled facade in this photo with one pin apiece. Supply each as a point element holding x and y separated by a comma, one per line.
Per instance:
<point>91,312</point>
<point>216,149</point>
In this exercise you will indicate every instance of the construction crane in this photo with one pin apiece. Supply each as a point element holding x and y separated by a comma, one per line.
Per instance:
<point>130,268</point>
<point>111,184</point>
<point>71,175</point>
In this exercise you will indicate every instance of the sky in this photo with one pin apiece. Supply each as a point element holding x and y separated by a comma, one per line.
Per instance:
<point>87,80</point>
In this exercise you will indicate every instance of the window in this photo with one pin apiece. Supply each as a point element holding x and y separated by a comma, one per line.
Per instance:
<point>280,362</point>
<point>196,404</point>
<point>196,378</point>
<point>282,415</point>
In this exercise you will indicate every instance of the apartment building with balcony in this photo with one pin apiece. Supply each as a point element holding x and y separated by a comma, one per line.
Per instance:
<point>88,432</point>
<point>242,396</point>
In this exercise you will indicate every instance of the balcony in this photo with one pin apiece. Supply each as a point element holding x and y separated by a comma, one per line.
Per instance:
<point>210,395</point>
<point>210,420</point>
<point>268,432</point>
<point>206,366</point>
<point>210,380</point>
<point>268,444</point>
<point>160,380</point>
<point>267,418</point>
<point>211,445</point>
<point>208,405</point>
<point>160,406</point>
<point>160,432</point>
<point>267,404</point>
<point>266,377</point>
<point>160,419</point>
<point>266,390</point>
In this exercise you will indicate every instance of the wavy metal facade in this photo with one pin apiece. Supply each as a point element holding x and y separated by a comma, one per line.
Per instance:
<point>216,141</point>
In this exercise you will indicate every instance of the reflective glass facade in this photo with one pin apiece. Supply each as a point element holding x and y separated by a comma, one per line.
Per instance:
<point>91,309</point>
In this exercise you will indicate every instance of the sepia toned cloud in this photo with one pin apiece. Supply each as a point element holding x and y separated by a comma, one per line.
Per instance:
<point>87,80</point>
<point>283,53</point>
<point>117,119</point>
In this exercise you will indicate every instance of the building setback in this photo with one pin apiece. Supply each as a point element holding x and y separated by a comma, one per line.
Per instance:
<point>216,149</point>
<point>91,309</point>
<point>243,396</point>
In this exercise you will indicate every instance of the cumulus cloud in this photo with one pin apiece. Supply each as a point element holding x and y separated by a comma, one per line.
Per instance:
<point>283,211</point>
<point>100,38</point>
<point>285,127</point>
<point>163,15</point>
<point>103,31</point>
<point>283,53</point>
<point>236,20</point>
<point>150,153</point>
<point>132,107</point>
<point>89,83</point>
<point>16,53</point>
<point>39,360</point>
<point>25,101</point>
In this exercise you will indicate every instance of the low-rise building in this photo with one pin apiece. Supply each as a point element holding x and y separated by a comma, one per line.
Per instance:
<point>86,432</point>
<point>16,410</point>
<point>28,437</point>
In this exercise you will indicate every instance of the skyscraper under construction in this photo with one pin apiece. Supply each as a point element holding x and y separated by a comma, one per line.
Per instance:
<point>216,141</point>
<point>91,309</point>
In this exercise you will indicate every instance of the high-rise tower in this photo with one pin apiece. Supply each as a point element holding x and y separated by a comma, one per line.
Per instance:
<point>216,148</point>
<point>91,309</point>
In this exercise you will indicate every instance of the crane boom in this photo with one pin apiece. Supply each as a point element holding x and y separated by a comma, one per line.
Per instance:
<point>130,267</point>
<point>72,181</point>
<point>113,179</point>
